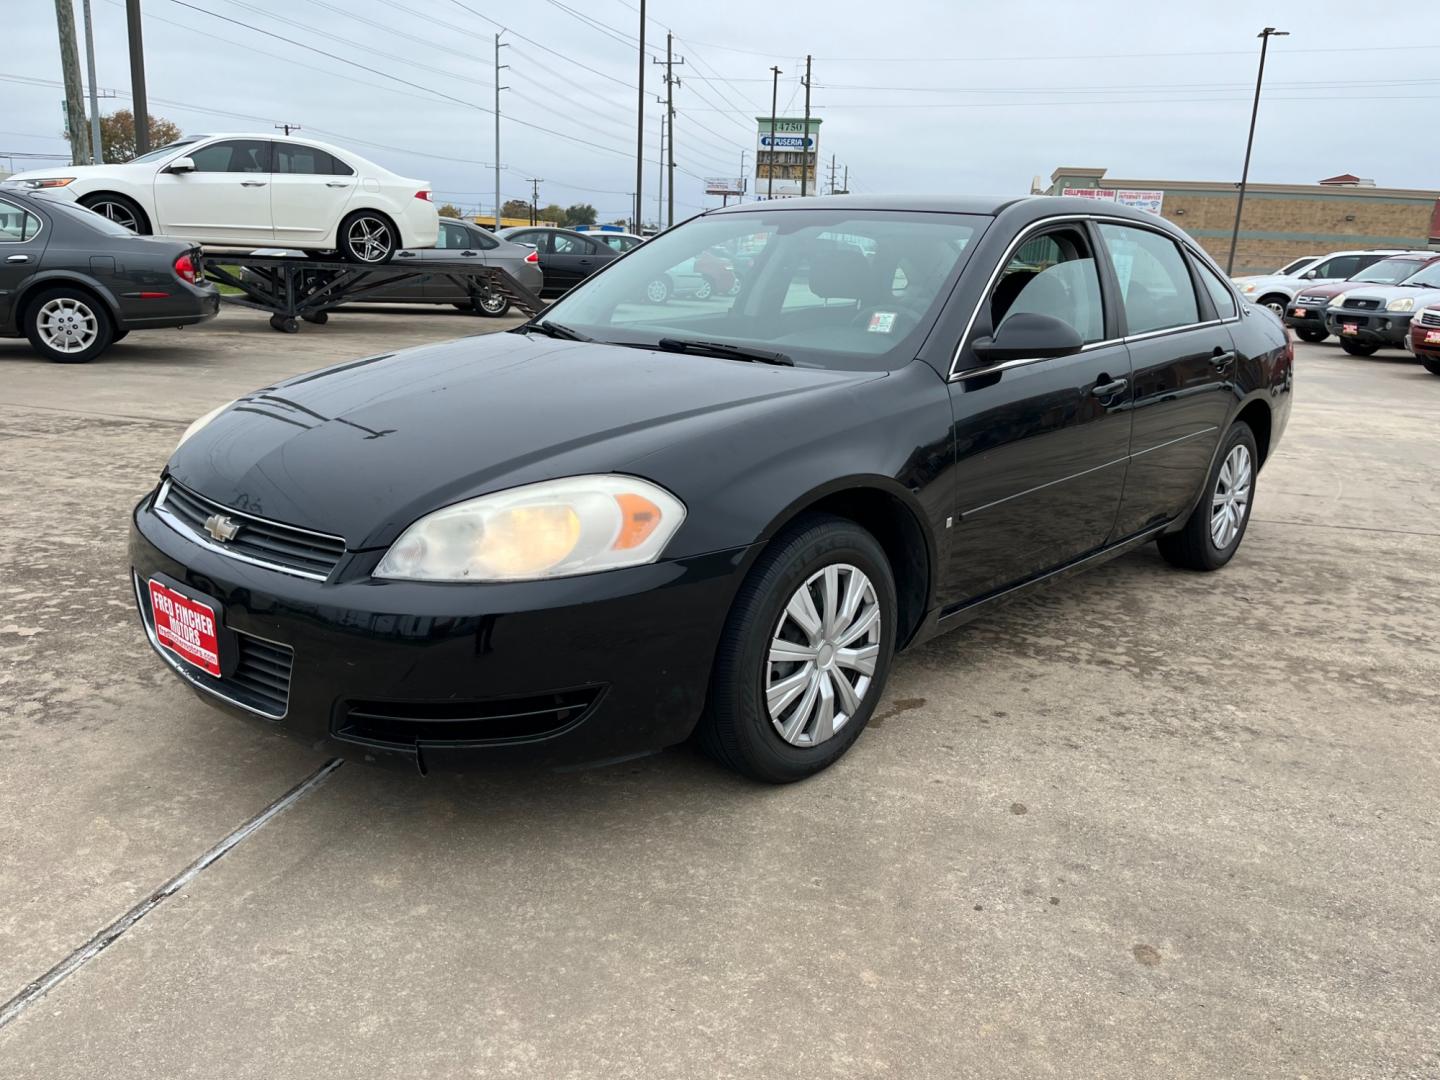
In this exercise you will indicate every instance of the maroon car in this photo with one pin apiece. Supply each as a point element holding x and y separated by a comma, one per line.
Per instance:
<point>1425,337</point>
<point>1306,313</point>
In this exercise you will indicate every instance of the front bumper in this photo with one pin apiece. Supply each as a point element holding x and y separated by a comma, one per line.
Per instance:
<point>1420,341</point>
<point>1312,319</point>
<point>1371,327</point>
<point>416,674</point>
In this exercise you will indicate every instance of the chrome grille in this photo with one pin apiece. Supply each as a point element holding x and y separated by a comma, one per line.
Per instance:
<point>1430,318</point>
<point>1362,305</point>
<point>1313,301</point>
<point>272,544</point>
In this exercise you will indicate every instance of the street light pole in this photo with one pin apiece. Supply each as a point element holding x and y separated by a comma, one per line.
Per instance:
<point>774,101</point>
<point>1264,36</point>
<point>640,126</point>
<point>498,68</point>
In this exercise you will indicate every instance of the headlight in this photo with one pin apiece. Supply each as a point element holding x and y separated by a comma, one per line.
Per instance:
<point>1247,287</point>
<point>1337,301</point>
<point>1404,303</point>
<point>556,528</point>
<point>49,182</point>
<point>198,424</point>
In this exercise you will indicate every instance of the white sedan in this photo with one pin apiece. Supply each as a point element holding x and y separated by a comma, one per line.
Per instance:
<point>254,191</point>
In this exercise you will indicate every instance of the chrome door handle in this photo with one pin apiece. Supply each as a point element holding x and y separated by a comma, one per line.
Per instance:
<point>467,254</point>
<point>18,258</point>
<point>1222,360</point>
<point>336,183</point>
<point>252,183</point>
<point>1110,389</point>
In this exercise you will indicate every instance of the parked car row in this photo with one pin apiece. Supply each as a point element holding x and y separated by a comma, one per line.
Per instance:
<point>1381,303</point>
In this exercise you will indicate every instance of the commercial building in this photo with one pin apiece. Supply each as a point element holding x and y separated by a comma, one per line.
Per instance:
<point>1281,221</point>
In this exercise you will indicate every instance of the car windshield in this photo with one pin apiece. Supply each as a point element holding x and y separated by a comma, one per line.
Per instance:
<point>837,288</point>
<point>1296,266</point>
<point>89,218</point>
<point>162,152</point>
<point>1428,278</point>
<point>1388,271</point>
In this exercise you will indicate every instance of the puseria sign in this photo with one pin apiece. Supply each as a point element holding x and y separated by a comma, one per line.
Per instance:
<point>787,151</point>
<point>1151,201</point>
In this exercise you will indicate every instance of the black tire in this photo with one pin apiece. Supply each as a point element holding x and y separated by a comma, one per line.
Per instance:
<point>705,291</point>
<point>119,335</point>
<point>385,238</point>
<point>736,729</point>
<point>285,324</point>
<point>319,318</point>
<point>1310,335</point>
<point>1194,546</point>
<point>659,291</point>
<point>1431,365</point>
<point>119,209</point>
<point>1359,348</point>
<point>75,307</point>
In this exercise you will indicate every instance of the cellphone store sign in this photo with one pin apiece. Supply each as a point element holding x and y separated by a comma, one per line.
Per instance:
<point>1151,201</point>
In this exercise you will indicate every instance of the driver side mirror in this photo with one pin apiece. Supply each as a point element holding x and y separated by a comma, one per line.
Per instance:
<point>1028,336</point>
<point>1310,274</point>
<point>181,165</point>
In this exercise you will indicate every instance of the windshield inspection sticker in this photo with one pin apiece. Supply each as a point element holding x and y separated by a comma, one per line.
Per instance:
<point>881,322</point>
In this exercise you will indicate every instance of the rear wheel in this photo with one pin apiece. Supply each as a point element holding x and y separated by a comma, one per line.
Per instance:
<point>804,655</point>
<point>367,237</point>
<point>68,326</point>
<point>119,209</point>
<point>1432,366</point>
<point>1212,533</point>
<point>1359,348</point>
<point>658,291</point>
<point>1310,335</point>
<point>491,305</point>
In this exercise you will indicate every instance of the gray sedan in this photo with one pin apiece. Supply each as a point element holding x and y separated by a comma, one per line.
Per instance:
<point>463,242</point>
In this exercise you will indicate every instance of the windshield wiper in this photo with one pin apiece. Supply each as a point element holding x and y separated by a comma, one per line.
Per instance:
<point>725,350</point>
<point>554,330</point>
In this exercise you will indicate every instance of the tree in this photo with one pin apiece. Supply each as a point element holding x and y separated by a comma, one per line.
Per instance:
<point>117,135</point>
<point>550,213</point>
<point>579,214</point>
<point>449,210</point>
<point>515,208</point>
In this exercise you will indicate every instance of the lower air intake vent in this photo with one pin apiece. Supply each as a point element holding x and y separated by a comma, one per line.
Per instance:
<point>462,723</point>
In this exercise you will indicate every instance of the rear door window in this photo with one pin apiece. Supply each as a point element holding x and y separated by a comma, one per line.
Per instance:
<point>1155,284</point>
<point>308,160</point>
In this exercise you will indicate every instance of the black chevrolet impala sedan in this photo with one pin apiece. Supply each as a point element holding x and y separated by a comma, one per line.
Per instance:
<point>627,522</point>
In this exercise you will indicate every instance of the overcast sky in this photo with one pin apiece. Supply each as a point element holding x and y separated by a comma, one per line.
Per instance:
<point>916,96</point>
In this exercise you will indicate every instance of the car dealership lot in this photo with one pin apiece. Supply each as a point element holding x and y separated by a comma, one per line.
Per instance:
<point>1146,822</point>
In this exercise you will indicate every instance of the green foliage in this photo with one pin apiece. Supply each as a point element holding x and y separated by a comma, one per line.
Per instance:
<point>117,135</point>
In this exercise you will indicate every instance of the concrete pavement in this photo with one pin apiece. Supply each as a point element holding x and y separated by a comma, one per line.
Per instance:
<point>1146,823</point>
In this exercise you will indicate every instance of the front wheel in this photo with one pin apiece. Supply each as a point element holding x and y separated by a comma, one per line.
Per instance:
<point>68,326</point>
<point>805,653</point>
<point>119,209</point>
<point>1212,533</point>
<point>658,291</point>
<point>1359,348</point>
<point>492,305</point>
<point>367,237</point>
<point>1432,366</point>
<point>1310,335</point>
<point>1275,304</point>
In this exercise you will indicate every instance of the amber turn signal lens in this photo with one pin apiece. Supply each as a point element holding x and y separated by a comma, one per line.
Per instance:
<point>639,517</point>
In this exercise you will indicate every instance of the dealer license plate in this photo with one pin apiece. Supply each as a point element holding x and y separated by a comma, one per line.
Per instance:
<point>1349,328</point>
<point>1432,337</point>
<point>1299,312</point>
<point>186,627</point>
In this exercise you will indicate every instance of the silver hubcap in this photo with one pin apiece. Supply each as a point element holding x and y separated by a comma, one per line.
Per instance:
<point>67,325</point>
<point>656,291</point>
<point>822,655</point>
<point>369,239</point>
<point>118,213</point>
<point>1277,307</point>
<point>492,303</point>
<point>1231,499</point>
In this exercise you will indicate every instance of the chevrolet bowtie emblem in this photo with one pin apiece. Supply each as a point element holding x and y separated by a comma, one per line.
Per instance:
<point>222,528</point>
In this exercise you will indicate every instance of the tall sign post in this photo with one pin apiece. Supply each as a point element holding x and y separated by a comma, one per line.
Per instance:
<point>787,149</point>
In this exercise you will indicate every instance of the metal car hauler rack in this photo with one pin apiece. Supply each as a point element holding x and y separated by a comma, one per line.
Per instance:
<point>297,288</point>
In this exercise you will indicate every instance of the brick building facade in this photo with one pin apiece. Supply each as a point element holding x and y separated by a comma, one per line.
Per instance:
<point>1283,221</point>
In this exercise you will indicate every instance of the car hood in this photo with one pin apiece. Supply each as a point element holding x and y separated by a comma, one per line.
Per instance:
<point>1422,295</point>
<point>1260,284</point>
<point>364,448</point>
<point>84,172</point>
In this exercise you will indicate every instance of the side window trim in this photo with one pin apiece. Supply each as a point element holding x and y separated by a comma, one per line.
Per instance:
<point>25,213</point>
<point>1197,257</point>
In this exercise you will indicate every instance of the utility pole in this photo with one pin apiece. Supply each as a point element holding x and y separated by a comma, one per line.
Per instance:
<point>670,83</point>
<point>97,145</point>
<point>743,177</point>
<point>640,125</point>
<point>498,68</point>
<point>137,78</point>
<point>846,189</point>
<point>660,173</point>
<point>832,174</point>
<point>805,138</point>
<point>70,70</point>
<point>287,128</point>
<point>774,101</point>
<point>535,182</point>
<point>1264,36</point>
